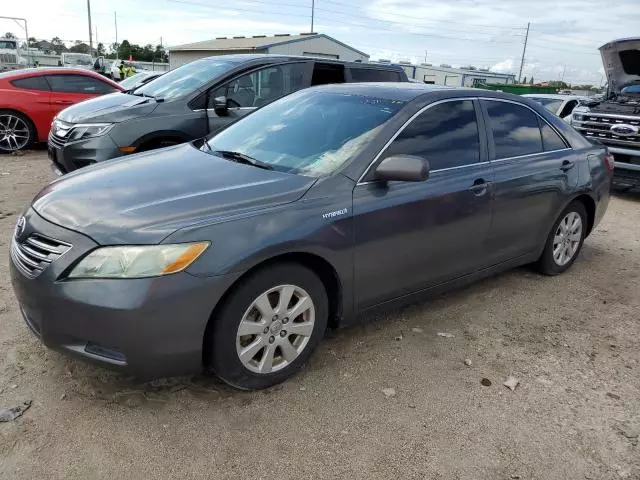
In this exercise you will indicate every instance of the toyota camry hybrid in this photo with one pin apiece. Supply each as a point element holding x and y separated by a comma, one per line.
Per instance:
<point>234,253</point>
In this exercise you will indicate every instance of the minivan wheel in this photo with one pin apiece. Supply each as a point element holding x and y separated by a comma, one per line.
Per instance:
<point>269,327</point>
<point>564,241</point>
<point>16,131</point>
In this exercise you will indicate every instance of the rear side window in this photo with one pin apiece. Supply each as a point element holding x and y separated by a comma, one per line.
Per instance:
<point>550,139</point>
<point>515,129</point>
<point>78,84</point>
<point>374,75</point>
<point>31,83</point>
<point>445,134</point>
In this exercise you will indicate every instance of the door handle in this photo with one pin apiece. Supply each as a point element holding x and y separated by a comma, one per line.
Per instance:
<point>567,165</point>
<point>479,187</point>
<point>62,102</point>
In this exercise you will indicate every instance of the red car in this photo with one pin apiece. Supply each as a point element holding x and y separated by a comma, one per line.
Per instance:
<point>29,99</point>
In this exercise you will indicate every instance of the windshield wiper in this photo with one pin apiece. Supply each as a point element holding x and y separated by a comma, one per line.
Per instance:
<point>145,95</point>
<point>241,158</point>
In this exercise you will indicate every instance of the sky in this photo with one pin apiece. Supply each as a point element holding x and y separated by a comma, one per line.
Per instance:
<point>563,39</point>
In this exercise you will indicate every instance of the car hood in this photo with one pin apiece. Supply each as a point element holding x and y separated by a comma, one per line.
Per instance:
<point>115,107</point>
<point>143,198</point>
<point>621,60</point>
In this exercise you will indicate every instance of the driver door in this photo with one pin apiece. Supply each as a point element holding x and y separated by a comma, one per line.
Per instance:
<point>247,92</point>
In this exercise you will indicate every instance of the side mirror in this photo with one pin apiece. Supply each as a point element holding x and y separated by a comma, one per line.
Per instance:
<point>220,106</point>
<point>405,168</point>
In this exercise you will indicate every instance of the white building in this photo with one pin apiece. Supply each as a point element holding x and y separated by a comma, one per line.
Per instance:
<point>455,77</point>
<point>307,44</point>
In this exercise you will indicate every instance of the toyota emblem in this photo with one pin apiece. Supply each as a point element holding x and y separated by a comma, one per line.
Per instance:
<point>20,227</point>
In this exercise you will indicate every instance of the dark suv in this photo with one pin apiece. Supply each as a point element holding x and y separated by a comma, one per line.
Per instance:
<point>191,102</point>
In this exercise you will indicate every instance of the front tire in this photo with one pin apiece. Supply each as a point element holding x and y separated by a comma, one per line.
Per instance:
<point>16,131</point>
<point>565,240</point>
<point>268,327</point>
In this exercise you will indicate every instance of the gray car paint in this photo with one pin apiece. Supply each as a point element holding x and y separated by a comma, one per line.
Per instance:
<point>394,243</point>
<point>140,120</point>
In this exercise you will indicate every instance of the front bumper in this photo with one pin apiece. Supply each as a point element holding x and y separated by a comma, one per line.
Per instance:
<point>69,157</point>
<point>627,166</point>
<point>150,327</point>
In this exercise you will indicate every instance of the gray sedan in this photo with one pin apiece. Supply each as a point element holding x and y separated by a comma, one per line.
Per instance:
<point>236,252</point>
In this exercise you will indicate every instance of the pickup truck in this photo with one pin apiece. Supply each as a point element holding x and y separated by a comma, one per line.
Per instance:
<point>615,119</point>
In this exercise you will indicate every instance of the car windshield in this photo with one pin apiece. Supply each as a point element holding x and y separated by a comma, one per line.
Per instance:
<point>184,80</point>
<point>8,44</point>
<point>78,59</point>
<point>309,133</point>
<point>551,104</point>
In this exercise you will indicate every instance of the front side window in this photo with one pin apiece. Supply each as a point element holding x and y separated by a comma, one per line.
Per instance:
<point>186,79</point>
<point>445,134</point>
<point>78,84</point>
<point>515,129</point>
<point>263,86</point>
<point>309,133</point>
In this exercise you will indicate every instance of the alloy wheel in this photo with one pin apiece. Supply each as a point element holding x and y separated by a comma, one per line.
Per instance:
<point>275,329</point>
<point>14,133</point>
<point>567,238</point>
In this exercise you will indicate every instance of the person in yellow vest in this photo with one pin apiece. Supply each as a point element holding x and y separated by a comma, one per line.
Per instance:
<point>121,69</point>
<point>130,71</point>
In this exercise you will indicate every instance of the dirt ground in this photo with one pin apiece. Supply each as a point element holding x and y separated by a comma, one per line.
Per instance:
<point>573,341</point>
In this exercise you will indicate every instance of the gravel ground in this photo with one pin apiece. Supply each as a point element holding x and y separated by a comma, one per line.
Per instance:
<point>572,341</point>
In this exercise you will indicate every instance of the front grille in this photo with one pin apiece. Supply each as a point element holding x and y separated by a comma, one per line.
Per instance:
<point>59,132</point>
<point>35,254</point>
<point>8,58</point>
<point>56,141</point>
<point>599,126</point>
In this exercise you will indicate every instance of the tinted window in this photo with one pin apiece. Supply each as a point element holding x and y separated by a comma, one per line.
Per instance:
<point>263,86</point>
<point>186,79</point>
<point>568,108</point>
<point>515,129</point>
<point>78,84</point>
<point>310,132</point>
<point>550,139</point>
<point>445,134</point>
<point>373,75</point>
<point>551,104</point>
<point>31,83</point>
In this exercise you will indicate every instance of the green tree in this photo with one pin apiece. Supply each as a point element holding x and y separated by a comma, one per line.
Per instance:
<point>524,80</point>
<point>33,42</point>
<point>101,50</point>
<point>80,47</point>
<point>58,45</point>
<point>9,35</point>
<point>531,80</point>
<point>124,50</point>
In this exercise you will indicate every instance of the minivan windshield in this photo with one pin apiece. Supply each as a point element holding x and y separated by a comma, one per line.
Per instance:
<point>309,133</point>
<point>184,80</point>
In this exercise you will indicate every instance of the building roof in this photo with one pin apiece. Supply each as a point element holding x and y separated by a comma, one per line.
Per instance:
<point>256,42</point>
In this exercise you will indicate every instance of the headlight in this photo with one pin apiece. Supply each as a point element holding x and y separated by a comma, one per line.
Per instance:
<point>86,130</point>
<point>138,261</point>
<point>578,118</point>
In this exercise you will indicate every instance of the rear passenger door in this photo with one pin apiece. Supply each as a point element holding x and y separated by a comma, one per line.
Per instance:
<point>413,235</point>
<point>67,89</point>
<point>257,88</point>
<point>533,168</point>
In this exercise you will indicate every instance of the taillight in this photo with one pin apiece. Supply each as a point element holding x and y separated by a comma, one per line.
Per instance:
<point>608,160</point>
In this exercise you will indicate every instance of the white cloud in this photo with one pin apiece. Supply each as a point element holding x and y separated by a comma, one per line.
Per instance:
<point>506,66</point>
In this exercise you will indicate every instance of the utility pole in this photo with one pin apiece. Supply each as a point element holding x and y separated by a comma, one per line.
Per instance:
<point>524,50</point>
<point>90,29</point>
<point>564,68</point>
<point>313,8</point>
<point>115,21</point>
<point>96,27</point>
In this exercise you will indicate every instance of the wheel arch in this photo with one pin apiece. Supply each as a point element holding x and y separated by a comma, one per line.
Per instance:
<point>590,206</point>
<point>317,264</point>
<point>157,136</point>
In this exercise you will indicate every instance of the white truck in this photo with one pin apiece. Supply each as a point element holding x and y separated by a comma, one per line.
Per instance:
<point>10,59</point>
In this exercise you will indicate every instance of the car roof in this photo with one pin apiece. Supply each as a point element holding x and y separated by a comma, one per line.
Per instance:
<point>46,70</point>
<point>247,57</point>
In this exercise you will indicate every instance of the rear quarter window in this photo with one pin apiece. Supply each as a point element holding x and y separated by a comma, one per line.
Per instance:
<point>31,83</point>
<point>374,75</point>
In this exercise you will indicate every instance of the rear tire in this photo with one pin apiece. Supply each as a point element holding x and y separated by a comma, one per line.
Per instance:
<point>565,240</point>
<point>268,327</point>
<point>16,131</point>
